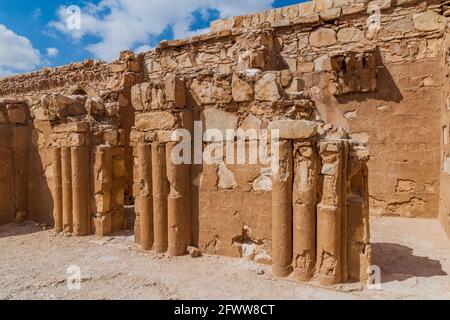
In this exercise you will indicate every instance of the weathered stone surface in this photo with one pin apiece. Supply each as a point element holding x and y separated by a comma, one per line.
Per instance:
<point>294,129</point>
<point>141,96</point>
<point>17,116</point>
<point>378,5</point>
<point>428,21</point>
<point>406,2</point>
<point>330,14</point>
<point>208,93</point>
<point>350,34</point>
<point>322,5</point>
<point>267,88</point>
<point>215,119</point>
<point>72,127</point>
<point>305,66</point>
<point>323,37</point>
<point>175,90</point>
<point>251,122</point>
<point>241,90</point>
<point>401,25</point>
<point>322,63</point>
<point>353,8</point>
<point>306,8</point>
<point>226,177</point>
<point>155,121</point>
<point>220,25</point>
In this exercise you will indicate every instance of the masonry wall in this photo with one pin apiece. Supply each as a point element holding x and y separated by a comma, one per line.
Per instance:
<point>53,97</point>
<point>320,65</point>
<point>14,145</point>
<point>240,79</point>
<point>444,209</point>
<point>397,119</point>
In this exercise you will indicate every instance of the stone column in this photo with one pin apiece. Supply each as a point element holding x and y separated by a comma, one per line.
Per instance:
<point>145,201</point>
<point>179,209</point>
<point>66,173</point>
<point>160,193</point>
<point>329,211</point>
<point>57,191</point>
<point>80,188</point>
<point>344,210</point>
<point>306,171</point>
<point>282,212</point>
<point>358,245</point>
<point>103,181</point>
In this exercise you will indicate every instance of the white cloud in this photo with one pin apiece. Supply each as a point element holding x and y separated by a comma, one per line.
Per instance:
<point>130,24</point>
<point>52,52</point>
<point>16,53</point>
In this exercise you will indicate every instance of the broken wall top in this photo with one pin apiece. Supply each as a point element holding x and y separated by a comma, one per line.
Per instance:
<point>312,12</point>
<point>91,78</point>
<point>95,76</point>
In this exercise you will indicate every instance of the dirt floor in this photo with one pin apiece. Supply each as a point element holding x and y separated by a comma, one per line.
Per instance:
<point>414,257</point>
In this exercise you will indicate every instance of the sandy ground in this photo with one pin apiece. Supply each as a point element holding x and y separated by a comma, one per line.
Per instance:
<point>414,256</point>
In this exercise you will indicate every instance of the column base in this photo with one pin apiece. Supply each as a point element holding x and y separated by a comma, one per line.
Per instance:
<point>281,271</point>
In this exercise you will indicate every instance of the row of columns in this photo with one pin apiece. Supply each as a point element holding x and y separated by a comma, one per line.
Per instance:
<point>310,237</point>
<point>71,185</point>
<point>164,200</point>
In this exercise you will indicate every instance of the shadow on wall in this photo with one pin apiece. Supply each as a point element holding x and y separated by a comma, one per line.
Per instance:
<point>387,89</point>
<point>398,262</point>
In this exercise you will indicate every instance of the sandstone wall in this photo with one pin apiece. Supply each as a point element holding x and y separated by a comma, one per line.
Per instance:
<point>93,136</point>
<point>309,217</point>
<point>15,139</point>
<point>405,153</point>
<point>445,142</point>
<point>71,93</point>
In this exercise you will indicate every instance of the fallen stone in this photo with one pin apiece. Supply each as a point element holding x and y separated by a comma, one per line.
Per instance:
<point>194,252</point>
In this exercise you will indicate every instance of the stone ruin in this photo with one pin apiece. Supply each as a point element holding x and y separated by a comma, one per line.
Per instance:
<point>84,143</point>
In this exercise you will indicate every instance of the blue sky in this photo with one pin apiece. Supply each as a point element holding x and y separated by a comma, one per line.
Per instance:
<point>33,33</point>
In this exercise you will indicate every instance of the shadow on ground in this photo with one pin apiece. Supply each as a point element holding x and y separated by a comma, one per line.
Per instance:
<point>16,229</point>
<point>398,262</point>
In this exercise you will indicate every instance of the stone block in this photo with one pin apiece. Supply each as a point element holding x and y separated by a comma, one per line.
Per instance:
<point>429,21</point>
<point>17,116</point>
<point>294,129</point>
<point>158,120</point>
<point>267,88</point>
<point>241,90</point>
<point>323,37</point>
<point>175,90</point>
